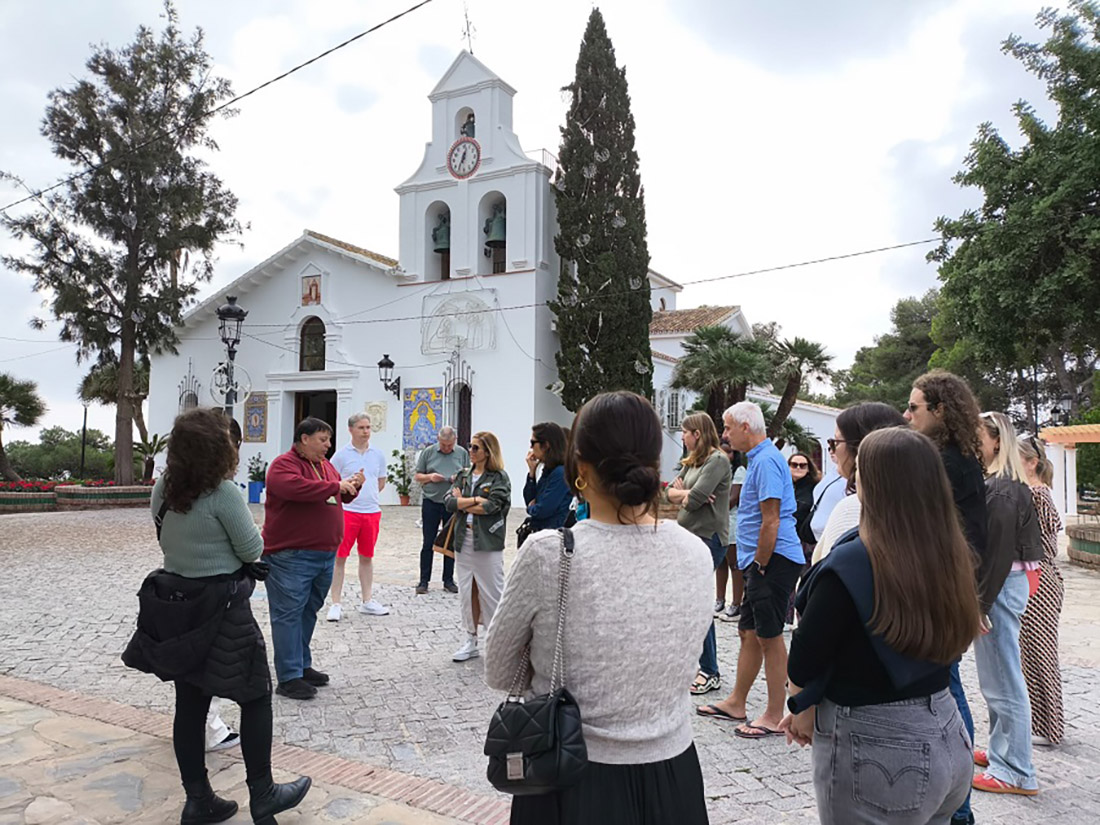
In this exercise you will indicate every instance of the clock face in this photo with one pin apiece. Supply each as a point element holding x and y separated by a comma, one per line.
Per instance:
<point>464,157</point>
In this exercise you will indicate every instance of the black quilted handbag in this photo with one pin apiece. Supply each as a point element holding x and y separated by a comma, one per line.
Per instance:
<point>536,746</point>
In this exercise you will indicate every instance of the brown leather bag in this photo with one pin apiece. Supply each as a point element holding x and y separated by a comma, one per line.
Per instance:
<point>445,540</point>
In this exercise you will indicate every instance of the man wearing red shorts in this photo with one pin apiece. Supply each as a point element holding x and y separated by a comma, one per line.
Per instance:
<point>361,517</point>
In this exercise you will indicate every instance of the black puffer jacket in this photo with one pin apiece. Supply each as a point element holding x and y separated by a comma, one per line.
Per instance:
<point>201,631</point>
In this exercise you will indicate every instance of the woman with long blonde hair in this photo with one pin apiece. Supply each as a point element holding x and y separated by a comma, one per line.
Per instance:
<point>1012,549</point>
<point>702,489</point>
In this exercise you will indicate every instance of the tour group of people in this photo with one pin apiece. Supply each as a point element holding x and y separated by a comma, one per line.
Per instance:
<point>935,531</point>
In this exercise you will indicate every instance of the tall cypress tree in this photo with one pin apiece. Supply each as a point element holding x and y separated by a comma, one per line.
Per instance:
<point>603,307</point>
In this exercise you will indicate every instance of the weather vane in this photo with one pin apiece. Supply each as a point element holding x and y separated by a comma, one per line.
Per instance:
<point>469,30</point>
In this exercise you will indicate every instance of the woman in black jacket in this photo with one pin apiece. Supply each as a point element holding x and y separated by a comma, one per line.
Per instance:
<point>196,626</point>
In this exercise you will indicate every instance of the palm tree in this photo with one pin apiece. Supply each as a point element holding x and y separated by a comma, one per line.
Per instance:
<point>101,385</point>
<point>148,449</point>
<point>720,365</point>
<point>796,360</point>
<point>791,432</point>
<point>20,406</point>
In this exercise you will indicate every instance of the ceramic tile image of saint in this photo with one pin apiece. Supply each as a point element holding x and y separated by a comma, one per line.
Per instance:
<point>311,290</point>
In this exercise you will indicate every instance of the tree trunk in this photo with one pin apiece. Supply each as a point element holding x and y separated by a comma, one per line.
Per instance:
<point>139,421</point>
<point>124,411</point>
<point>7,472</point>
<point>786,404</point>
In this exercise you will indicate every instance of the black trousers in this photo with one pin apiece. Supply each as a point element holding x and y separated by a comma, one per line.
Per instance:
<point>654,793</point>
<point>433,516</point>
<point>189,734</point>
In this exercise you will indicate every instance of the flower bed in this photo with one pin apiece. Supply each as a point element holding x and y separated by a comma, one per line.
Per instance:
<point>1084,544</point>
<point>27,496</point>
<point>96,495</point>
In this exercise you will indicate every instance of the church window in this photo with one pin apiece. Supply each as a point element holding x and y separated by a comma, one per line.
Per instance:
<point>662,305</point>
<point>311,356</point>
<point>465,123</point>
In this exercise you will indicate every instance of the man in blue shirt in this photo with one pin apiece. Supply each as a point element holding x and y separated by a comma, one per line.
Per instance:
<point>770,556</point>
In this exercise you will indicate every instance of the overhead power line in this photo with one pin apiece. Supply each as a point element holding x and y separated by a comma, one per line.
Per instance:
<point>170,132</point>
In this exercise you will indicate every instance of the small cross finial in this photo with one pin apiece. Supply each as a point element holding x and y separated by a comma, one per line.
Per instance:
<point>468,29</point>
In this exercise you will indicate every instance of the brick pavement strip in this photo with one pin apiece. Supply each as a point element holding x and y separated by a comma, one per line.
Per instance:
<point>399,707</point>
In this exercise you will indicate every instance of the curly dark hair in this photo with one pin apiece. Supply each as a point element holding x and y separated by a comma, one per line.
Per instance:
<point>960,419</point>
<point>201,456</point>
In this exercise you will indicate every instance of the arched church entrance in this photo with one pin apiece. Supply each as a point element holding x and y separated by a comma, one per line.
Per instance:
<point>463,406</point>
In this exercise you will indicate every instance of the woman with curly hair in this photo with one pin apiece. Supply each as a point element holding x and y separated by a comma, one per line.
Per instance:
<point>196,626</point>
<point>942,406</point>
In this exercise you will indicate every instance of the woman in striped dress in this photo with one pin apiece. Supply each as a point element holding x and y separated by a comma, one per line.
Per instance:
<point>1039,627</point>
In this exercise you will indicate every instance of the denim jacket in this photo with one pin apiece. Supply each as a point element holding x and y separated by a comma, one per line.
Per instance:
<point>547,499</point>
<point>489,529</point>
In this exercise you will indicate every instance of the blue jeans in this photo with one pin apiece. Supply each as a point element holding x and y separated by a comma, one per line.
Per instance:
<point>433,516</point>
<point>1001,678</point>
<point>296,589</point>
<point>708,662</point>
<point>956,686</point>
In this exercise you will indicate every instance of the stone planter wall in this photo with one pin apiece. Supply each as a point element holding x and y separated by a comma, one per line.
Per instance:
<point>27,502</point>
<point>1084,544</point>
<point>74,497</point>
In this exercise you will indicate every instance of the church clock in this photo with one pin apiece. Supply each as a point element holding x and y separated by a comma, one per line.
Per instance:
<point>464,158</point>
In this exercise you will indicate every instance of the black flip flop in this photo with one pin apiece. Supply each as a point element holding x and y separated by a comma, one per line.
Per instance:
<point>715,712</point>
<point>756,732</point>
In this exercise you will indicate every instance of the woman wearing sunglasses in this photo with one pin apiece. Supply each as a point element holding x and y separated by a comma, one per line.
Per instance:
<point>852,426</point>
<point>482,496</point>
<point>805,475</point>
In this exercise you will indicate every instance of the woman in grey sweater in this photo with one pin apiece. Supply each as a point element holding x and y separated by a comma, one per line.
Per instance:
<point>642,764</point>
<point>702,489</point>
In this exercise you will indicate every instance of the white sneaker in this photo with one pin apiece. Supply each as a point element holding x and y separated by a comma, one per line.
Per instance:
<point>467,651</point>
<point>373,608</point>
<point>334,613</point>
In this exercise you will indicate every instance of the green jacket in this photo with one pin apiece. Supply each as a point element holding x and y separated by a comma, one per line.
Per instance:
<point>702,517</point>
<point>490,529</point>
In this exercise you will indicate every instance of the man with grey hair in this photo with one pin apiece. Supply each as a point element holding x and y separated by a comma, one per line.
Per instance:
<point>362,517</point>
<point>770,556</point>
<point>436,469</point>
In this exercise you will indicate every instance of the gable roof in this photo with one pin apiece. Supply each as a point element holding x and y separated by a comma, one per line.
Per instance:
<point>680,321</point>
<point>663,281</point>
<point>664,356</point>
<point>245,283</point>
<point>467,72</point>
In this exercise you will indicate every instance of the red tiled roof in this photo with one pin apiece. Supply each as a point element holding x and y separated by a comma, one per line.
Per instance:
<point>672,321</point>
<point>347,247</point>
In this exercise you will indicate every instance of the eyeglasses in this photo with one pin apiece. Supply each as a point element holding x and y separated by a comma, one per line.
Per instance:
<point>474,448</point>
<point>798,465</point>
<point>535,442</point>
<point>832,442</point>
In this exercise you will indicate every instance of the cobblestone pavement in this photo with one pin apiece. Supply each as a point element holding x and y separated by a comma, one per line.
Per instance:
<point>67,608</point>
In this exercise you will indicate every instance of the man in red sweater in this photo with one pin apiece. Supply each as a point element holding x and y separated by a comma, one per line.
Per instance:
<point>303,527</point>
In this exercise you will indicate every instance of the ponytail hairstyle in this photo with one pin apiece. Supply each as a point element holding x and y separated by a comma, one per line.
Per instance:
<point>1032,449</point>
<point>620,435</point>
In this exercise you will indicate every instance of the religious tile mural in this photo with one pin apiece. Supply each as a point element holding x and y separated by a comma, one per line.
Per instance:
<point>423,416</point>
<point>311,290</point>
<point>255,417</point>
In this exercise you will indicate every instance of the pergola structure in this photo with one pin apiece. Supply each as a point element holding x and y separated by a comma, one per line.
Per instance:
<point>1062,450</point>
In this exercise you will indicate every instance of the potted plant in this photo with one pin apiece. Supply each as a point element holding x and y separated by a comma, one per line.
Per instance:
<point>399,476</point>
<point>257,473</point>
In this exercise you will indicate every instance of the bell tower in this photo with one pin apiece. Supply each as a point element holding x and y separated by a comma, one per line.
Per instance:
<point>477,205</point>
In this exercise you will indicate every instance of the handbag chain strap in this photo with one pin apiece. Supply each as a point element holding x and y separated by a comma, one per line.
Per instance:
<point>557,671</point>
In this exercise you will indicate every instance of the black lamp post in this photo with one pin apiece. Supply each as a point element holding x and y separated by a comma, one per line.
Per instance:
<point>83,436</point>
<point>385,375</point>
<point>231,317</point>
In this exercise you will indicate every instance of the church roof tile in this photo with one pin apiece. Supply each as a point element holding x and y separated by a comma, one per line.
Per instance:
<point>674,321</point>
<point>347,247</point>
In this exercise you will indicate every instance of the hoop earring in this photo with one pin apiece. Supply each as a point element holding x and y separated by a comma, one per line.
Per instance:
<point>580,484</point>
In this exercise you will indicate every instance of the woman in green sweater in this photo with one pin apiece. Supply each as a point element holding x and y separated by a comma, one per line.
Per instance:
<point>207,536</point>
<point>702,489</point>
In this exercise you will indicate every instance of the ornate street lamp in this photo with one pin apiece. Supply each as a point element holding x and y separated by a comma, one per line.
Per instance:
<point>385,375</point>
<point>231,317</point>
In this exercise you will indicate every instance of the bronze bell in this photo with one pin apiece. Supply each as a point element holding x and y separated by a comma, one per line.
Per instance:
<point>495,229</point>
<point>441,235</point>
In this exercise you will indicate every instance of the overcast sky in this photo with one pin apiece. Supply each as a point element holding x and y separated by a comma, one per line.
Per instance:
<point>769,133</point>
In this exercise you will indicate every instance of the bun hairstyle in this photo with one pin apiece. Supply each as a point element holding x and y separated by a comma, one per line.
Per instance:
<point>620,435</point>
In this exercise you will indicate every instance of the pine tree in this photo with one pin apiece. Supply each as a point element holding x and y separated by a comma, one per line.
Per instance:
<point>603,305</point>
<point>106,246</point>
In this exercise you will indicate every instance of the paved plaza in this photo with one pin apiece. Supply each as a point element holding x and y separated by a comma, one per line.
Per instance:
<point>398,735</point>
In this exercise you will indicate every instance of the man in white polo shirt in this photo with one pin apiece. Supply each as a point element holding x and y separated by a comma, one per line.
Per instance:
<point>362,516</point>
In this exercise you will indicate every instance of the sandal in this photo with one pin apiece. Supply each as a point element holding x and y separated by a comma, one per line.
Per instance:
<point>715,712</point>
<point>755,732</point>
<point>705,684</point>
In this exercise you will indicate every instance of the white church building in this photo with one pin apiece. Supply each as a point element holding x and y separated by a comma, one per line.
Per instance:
<point>461,314</point>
